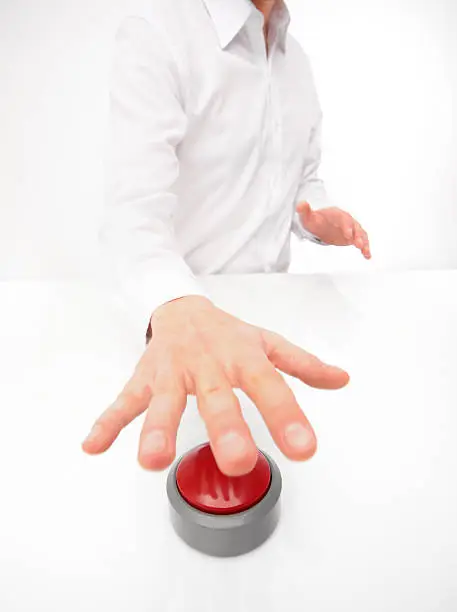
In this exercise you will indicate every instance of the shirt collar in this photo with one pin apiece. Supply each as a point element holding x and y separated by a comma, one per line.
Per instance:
<point>230,16</point>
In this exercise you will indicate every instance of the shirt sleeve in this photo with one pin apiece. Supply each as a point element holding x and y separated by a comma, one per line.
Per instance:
<point>311,188</point>
<point>147,123</point>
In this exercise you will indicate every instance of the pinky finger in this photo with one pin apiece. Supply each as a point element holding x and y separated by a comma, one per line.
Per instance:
<point>109,425</point>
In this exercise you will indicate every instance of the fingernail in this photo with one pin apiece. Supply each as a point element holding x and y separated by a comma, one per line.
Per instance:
<point>298,436</point>
<point>155,442</point>
<point>94,433</point>
<point>231,446</point>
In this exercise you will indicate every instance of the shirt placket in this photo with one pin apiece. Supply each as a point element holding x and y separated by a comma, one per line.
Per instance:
<point>275,144</point>
<point>275,160</point>
<point>273,156</point>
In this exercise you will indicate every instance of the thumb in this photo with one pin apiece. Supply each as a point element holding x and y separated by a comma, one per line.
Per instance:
<point>296,362</point>
<point>304,209</point>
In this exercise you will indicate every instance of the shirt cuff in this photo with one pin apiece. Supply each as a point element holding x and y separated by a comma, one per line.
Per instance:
<point>302,233</point>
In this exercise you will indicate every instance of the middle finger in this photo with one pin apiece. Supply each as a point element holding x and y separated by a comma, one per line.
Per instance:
<point>230,438</point>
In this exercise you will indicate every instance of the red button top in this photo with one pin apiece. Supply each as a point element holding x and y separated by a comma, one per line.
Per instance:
<point>205,487</point>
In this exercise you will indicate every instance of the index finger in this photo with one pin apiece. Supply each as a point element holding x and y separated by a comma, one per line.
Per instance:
<point>289,427</point>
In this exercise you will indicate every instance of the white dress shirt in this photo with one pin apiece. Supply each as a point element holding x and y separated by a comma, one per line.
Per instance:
<point>213,143</point>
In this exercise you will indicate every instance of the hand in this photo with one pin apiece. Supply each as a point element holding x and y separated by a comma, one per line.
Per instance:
<point>334,226</point>
<point>198,349</point>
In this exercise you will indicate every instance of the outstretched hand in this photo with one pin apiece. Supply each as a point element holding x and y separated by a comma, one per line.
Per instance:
<point>198,349</point>
<point>334,226</point>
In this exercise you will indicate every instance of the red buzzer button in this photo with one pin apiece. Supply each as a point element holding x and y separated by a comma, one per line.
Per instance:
<point>205,487</point>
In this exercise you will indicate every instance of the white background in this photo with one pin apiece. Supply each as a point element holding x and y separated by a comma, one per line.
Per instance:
<point>387,77</point>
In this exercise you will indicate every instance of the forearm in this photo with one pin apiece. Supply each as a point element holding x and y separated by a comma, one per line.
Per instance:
<point>145,264</point>
<point>147,123</point>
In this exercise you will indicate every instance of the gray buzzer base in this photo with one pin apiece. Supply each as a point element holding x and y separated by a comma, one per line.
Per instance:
<point>226,535</point>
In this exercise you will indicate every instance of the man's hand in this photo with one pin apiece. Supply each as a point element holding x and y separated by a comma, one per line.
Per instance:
<point>198,349</point>
<point>334,226</point>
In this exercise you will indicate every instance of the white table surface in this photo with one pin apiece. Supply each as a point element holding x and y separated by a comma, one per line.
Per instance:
<point>369,524</point>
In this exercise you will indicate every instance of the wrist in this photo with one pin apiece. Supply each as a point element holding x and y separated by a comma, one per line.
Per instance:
<point>307,230</point>
<point>181,306</point>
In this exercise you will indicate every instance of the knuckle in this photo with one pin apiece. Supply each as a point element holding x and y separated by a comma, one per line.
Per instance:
<point>212,389</point>
<point>162,408</point>
<point>169,381</point>
<point>255,375</point>
<point>273,337</point>
<point>222,409</point>
<point>283,395</point>
<point>135,392</point>
<point>208,376</point>
<point>143,369</point>
<point>111,419</point>
<point>218,401</point>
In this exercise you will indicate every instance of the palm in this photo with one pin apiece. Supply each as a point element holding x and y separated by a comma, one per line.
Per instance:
<point>327,225</point>
<point>334,226</point>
